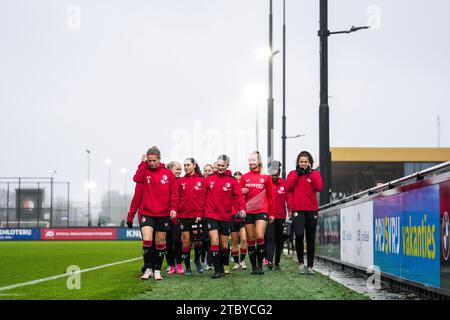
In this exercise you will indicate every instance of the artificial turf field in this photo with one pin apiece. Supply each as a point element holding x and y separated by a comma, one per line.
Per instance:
<point>25,261</point>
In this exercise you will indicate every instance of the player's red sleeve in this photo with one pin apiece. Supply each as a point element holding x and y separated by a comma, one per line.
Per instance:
<point>270,199</point>
<point>136,202</point>
<point>238,197</point>
<point>139,175</point>
<point>242,183</point>
<point>316,181</point>
<point>291,181</point>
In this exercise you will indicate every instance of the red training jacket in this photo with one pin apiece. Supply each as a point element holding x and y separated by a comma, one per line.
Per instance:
<point>191,196</point>
<point>159,195</point>
<point>260,193</point>
<point>304,190</point>
<point>279,198</point>
<point>223,193</point>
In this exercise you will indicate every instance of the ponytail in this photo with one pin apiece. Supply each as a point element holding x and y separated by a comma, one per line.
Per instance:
<point>197,169</point>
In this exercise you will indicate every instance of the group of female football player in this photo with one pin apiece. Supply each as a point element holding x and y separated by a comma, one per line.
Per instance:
<point>203,209</point>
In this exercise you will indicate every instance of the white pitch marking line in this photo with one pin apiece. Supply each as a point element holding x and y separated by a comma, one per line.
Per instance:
<point>23,284</point>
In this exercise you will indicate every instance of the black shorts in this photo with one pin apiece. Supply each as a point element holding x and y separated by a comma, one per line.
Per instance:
<point>251,218</point>
<point>237,225</point>
<point>224,227</point>
<point>186,224</point>
<point>160,224</point>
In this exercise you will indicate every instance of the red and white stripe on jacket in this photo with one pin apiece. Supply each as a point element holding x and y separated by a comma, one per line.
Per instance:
<point>260,193</point>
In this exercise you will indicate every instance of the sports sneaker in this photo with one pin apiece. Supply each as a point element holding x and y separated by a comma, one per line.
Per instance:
<point>208,267</point>
<point>302,268</point>
<point>216,275</point>
<point>310,271</point>
<point>265,262</point>
<point>199,266</point>
<point>179,268</point>
<point>236,267</point>
<point>147,274</point>
<point>158,275</point>
<point>270,265</point>
<point>227,269</point>
<point>188,272</point>
<point>172,270</point>
<point>243,265</point>
<point>168,269</point>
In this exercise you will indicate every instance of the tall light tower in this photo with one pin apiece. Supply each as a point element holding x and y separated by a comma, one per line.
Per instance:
<point>270,99</point>
<point>283,137</point>
<point>108,163</point>
<point>324,118</point>
<point>88,185</point>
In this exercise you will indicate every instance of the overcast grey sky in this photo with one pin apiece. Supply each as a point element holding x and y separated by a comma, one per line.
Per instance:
<point>120,76</point>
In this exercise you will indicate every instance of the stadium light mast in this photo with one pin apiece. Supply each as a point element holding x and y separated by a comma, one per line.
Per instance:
<point>270,99</point>
<point>88,153</point>
<point>108,163</point>
<point>324,120</point>
<point>283,137</point>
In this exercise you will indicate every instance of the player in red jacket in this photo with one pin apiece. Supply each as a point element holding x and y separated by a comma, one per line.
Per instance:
<point>173,236</point>
<point>258,191</point>
<point>134,208</point>
<point>158,206</point>
<point>304,182</point>
<point>206,244</point>
<point>223,193</point>
<point>191,208</point>
<point>274,231</point>
<point>238,236</point>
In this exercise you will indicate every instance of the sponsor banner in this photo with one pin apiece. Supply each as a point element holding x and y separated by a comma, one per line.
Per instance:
<point>129,234</point>
<point>79,234</point>
<point>328,234</point>
<point>356,234</point>
<point>445,237</point>
<point>406,235</point>
<point>19,234</point>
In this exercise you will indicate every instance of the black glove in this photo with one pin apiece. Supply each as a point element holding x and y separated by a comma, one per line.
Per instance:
<point>130,224</point>
<point>307,170</point>
<point>299,170</point>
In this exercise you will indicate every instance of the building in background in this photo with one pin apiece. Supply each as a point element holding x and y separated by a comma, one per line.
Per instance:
<point>358,169</point>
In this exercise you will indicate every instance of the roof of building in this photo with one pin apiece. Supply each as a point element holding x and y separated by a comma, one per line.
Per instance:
<point>390,154</point>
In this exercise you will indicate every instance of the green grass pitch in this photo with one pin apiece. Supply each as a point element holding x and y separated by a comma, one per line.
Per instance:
<point>24,261</point>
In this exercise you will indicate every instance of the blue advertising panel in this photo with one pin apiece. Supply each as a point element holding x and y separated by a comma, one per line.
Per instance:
<point>20,234</point>
<point>407,235</point>
<point>129,234</point>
